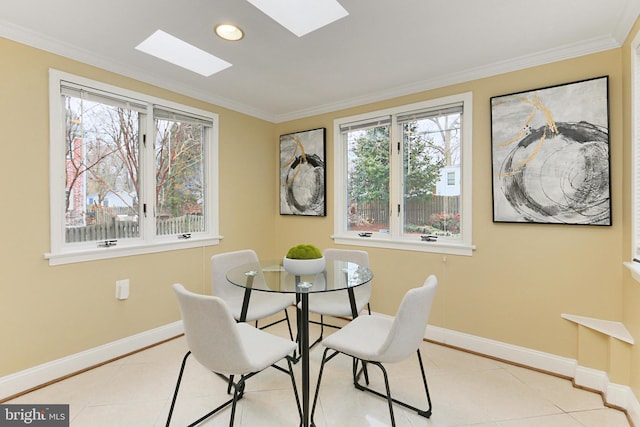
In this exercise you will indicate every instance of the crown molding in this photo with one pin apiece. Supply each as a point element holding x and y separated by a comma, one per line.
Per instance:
<point>527,61</point>
<point>628,18</point>
<point>41,41</point>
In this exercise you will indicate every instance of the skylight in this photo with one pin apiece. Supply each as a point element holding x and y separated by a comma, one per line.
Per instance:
<point>171,49</point>
<point>301,16</point>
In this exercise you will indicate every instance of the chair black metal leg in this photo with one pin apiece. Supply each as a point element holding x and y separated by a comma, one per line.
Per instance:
<point>387,395</point>
<point>238,392</point>
<point>230,384</point>
<point>286,314</point>
<point>325,359</point>
<point>389,399</point>
<point>364,371</point>
<point>319,339</point>
<point>237,395</point>
<point>321,327</point>
<point>425,413</point>
<point>175,396</point>
<point>175,393</point>
<point>295,388</point>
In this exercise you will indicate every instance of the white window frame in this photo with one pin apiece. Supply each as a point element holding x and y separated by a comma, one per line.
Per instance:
<point>634,264</point>
<point>148,242</point>
<point>384,240</point>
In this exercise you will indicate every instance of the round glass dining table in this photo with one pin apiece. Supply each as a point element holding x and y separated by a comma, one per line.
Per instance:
<point>270,276</point>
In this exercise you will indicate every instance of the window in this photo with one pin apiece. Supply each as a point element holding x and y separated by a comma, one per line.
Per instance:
<point>635,160</point>
<point>451,178</point>
<point>130,173</point>
<point>403,177</point>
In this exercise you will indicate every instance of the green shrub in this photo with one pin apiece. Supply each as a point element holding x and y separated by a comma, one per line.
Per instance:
<point>445,222</point>
<point>304,252</point>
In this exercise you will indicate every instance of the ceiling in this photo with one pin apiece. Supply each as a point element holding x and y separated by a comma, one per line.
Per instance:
<point>380,50</point>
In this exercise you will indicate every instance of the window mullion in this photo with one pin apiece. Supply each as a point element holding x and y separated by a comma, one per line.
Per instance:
<point>148,182</point>
<point>395,179</point>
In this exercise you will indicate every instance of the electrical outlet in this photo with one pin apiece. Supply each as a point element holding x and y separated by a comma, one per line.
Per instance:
<point>122,289</point>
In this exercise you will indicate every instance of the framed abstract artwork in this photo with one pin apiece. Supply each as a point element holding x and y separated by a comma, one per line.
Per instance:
<point>551,156</point>
<point>303,173</point>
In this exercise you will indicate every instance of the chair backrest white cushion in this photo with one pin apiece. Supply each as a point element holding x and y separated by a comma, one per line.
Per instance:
<point>407,331</point>
<point>220,266</point>
<point>211,332</point>
<point>351,255</point>
<point>362,293</point>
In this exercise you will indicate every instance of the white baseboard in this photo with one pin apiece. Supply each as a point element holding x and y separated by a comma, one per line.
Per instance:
<point>622,396</point>
<point>19,382</point>
<point>522,355</point>
<point>615,394</point>
<point>591,378</point>
<point>633,408</point>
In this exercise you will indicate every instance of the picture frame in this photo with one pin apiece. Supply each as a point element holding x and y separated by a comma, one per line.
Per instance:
<point>303,173</point>
<point>550,155</point>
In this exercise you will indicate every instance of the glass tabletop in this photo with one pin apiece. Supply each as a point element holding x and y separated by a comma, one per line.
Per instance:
<point>270,276</point>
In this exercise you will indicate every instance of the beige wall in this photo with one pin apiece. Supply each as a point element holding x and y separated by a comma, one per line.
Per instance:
<point>513,289</point>
<point>50,312</point>
<point>630,288</point>
<point>522,277</point>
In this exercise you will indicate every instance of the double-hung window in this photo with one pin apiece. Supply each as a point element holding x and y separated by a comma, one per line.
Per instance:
<point>403,177</point>
<point>130,173</point>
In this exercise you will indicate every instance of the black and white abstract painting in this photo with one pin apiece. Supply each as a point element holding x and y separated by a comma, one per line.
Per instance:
<point>550,155</point>
<point>302,173</point>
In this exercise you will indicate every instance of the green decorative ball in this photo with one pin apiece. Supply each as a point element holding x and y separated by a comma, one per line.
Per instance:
<point>304,251</point>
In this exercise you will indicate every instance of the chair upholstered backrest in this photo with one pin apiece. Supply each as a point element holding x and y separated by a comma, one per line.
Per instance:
<point>211,332</point>
<point>407,331</point>
<point>221,264</point>
<point>351,255</point>
<point>355,256</point>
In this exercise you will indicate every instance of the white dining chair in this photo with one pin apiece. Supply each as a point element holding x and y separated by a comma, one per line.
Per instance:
<point>261,304</point>
<point>336,304</point>
<point>375,339</point>
<point>227,347</point>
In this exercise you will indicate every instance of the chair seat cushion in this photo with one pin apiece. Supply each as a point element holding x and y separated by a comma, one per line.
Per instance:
<point>363,337</point>
<point>261,305</point>
<point>262,348</point>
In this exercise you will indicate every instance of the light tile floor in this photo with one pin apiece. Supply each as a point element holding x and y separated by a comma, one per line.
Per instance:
<point>466,390</point>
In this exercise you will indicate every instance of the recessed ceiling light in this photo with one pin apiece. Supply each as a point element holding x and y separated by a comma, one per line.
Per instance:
<point>229,32</point>
<point>301,17</point>
<point>180,53</point>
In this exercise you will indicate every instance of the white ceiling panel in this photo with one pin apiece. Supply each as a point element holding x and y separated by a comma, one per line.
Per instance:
<point>379,50</point>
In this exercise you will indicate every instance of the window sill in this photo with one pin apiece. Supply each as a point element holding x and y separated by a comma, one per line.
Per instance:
<point>634,267</point>
<point>419,246</point>
<point>123,251</point>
